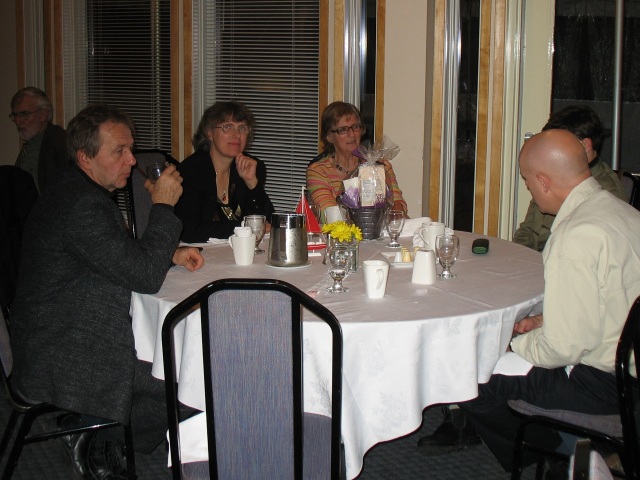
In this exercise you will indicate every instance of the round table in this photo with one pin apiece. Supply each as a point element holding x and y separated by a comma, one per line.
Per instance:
<point>419,345</point>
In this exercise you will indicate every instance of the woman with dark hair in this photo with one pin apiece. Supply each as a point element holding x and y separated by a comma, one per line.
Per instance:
<point>221,183</point>
<point>341,129</point>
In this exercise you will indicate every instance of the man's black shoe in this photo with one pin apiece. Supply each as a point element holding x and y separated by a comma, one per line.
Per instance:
<point>454,433</point>
<point>106,459</point>
<point>76,447</point>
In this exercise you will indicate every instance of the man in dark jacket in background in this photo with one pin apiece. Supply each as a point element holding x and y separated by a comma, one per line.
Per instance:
<point>45,150</point>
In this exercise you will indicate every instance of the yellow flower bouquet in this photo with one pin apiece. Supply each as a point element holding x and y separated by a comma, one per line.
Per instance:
<point>346,233</point>
<point>342,231</point>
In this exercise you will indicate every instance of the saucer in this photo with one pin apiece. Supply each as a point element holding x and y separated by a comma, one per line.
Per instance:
<point>288,268</point>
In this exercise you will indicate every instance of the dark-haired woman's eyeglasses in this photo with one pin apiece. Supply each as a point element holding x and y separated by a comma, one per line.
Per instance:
<point>229,128</point>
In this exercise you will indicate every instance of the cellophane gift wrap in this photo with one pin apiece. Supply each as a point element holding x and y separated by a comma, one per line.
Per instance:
<point>367,196</point>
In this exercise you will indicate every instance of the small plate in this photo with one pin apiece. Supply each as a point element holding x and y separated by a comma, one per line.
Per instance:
<point>390,256</point>
<point>288,268</point>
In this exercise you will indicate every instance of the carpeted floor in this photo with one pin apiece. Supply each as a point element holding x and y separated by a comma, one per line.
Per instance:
<point>395,460</point>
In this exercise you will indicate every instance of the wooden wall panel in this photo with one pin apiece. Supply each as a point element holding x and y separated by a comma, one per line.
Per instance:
<point>338,51</point>
<point>497,115</point>
<point>436,112</point>
<point>381,15</point>
<point>20,42</point>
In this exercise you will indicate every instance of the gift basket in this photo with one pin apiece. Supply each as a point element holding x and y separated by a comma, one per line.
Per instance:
<point>367,196</point>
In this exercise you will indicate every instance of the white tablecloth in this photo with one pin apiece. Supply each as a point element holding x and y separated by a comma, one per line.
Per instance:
<point>418,346</point>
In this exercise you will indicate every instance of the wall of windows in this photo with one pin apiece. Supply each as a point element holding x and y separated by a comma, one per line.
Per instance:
<point>121,56</point>
<point>264,54</point>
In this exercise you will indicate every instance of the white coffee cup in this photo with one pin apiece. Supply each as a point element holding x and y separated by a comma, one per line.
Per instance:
<point>424,267</point>
<point>242,231</point>
<point>430,232</point>
<point>333,214</point>
<point>376,273</point>
<point>243,248</point>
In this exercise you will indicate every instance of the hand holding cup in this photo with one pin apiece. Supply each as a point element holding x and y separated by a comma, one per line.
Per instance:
<point>167,188</point>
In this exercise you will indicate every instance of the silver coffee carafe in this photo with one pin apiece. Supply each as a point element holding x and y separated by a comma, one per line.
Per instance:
<point>288,240</point>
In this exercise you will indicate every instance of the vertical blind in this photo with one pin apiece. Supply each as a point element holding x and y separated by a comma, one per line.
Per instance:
<point>262,53</point>
<point>266,55</point>
<point>119,53</point>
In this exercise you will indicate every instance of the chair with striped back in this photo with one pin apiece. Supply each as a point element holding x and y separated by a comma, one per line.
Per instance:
<point>253,366</point>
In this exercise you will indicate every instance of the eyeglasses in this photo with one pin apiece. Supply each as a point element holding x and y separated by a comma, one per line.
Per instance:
<point>15,115</point>
<point>229,128</point>
<point>356,127</point>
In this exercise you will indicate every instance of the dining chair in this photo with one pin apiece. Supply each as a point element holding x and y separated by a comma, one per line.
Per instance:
<point>253,367</point>
<point>631,184</point>
<point>140,198</point>
<point>618,432</point>
<point>30,411</point>
<point>133,200</point>
<point>18,193</point>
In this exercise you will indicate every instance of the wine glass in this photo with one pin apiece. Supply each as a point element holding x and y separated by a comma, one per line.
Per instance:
<point>258,225</point>
<point>395,222</point>
<point>447,248</point>
<point>339,257</point>
<point>317,212</point>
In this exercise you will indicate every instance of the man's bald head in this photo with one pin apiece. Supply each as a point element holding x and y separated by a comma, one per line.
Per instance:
<point>552,163</point>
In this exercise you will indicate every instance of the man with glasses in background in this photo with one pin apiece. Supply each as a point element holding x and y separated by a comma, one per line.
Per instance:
<point>45,149</point>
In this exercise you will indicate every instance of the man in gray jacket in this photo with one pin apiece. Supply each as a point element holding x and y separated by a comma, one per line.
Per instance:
<point>71,330</point>
<point>45,151</point>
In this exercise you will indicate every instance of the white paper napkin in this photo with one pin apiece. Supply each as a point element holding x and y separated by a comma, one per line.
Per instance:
<point>217,241</point>
<point>411,225</point>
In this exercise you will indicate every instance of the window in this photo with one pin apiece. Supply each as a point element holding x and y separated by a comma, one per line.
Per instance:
<point>119,54</point>
<point>265,55</point>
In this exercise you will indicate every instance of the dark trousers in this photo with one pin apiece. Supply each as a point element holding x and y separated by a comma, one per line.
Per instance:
<point>586,390</point>
<point>149,421</point>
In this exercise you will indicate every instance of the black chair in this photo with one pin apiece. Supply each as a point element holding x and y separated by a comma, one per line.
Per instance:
<point>30,411</point>
<point>134,200</point>
<point>617,432</point>
<point>631,184</point>
<point>18,193</point>
<point>587,463</point>
<point>253,364</point>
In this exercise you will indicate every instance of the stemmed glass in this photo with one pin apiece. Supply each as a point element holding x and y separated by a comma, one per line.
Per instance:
<point>395,222</point>
<point>317,212</point>
<point>447,248</point>
<point>258,225</point>
<point>339,257</point>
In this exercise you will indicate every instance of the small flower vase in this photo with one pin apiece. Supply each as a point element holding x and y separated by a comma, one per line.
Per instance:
<point>354,247</point>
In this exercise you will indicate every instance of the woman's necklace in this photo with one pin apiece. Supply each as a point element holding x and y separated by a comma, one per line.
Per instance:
<point>344,170</point>
<point>223,197</point>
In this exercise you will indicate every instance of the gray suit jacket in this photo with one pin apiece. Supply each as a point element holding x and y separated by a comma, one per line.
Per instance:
<point>71,330</point>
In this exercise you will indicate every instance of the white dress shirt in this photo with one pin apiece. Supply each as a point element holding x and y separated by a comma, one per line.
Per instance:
<point>592,277</point>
